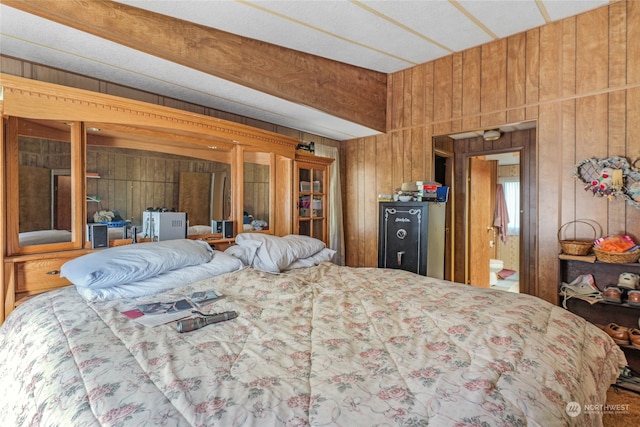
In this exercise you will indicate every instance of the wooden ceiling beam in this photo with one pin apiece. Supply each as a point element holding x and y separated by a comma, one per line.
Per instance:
<point>351,93</point>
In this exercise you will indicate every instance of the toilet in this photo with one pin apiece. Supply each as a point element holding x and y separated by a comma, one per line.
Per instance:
<point>495,265</point>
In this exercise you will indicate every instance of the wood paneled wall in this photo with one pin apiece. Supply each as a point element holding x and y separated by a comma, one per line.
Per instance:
<point>578,78</point>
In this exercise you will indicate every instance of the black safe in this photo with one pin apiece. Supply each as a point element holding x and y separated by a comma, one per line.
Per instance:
<point>402,241</point>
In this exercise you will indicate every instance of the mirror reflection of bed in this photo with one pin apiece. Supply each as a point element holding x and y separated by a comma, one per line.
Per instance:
<point>119,179</point>
<point>43,164</point>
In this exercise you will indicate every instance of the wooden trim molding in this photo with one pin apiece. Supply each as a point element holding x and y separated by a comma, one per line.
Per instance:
<point>3,218</point>
<point>303,156</point>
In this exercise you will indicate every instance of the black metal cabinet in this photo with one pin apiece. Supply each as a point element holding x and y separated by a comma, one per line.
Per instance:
<point>403,239</point>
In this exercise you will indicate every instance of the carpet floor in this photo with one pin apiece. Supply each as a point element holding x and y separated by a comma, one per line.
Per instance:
<point>629,416</point>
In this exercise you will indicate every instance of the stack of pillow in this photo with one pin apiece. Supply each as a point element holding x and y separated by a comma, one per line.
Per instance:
<point>274,254</point>
<point>145,268</point>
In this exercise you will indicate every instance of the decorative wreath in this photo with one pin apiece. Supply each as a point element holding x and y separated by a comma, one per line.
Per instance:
<point>610,177</point>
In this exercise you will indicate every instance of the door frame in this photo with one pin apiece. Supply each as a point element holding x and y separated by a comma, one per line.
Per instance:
<point>524,142</point>
<point>446,156</point>
<point>63,194</point>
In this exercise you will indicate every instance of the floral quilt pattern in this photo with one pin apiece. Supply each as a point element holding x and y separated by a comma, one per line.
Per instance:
<point>318,346</point>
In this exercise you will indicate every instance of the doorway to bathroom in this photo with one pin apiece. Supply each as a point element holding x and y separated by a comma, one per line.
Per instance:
<point>476,241</point>
<point>503,208</point>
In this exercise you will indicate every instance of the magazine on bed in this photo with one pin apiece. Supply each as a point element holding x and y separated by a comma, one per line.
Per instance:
<point>159,313</point>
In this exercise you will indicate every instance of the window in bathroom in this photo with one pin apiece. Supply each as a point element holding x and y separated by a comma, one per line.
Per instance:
<point>511,186</point>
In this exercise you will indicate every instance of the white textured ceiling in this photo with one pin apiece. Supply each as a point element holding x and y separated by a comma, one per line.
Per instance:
<point>385,36</point>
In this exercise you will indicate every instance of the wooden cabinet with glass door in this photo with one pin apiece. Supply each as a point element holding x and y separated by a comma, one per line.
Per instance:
<point>311,214</point>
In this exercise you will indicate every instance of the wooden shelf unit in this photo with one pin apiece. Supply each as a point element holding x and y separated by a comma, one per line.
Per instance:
<point>311,195</point>
<point>604,312</point>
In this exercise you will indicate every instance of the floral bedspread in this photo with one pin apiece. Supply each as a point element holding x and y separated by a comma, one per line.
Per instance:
<point>318,346</point>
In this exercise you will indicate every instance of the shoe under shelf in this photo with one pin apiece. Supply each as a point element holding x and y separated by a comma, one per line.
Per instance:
<point>605,312</point>
<point>602,313</point>
<point>629,381</point>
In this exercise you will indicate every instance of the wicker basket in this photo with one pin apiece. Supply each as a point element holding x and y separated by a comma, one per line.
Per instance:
<point>576,247</point>
<point>617,257</point>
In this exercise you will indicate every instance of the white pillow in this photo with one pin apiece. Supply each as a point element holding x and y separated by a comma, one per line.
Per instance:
<point>276,253</point>
<point>130,263</point>
<point>245,252</point>
<point>219,264</point>
<point>324,255</point>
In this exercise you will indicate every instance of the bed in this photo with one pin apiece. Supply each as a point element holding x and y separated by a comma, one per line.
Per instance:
<point>313,344</point>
